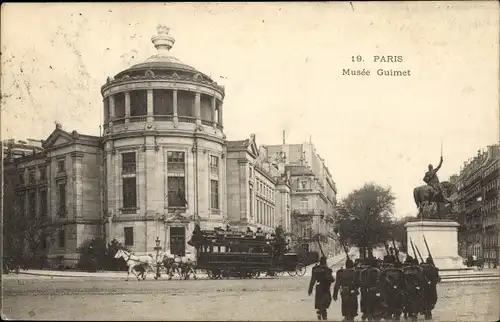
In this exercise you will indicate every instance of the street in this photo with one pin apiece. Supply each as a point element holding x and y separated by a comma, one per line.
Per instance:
<point>283,298</point>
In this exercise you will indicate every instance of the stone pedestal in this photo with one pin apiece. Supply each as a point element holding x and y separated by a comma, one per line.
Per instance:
<point>442,238</point>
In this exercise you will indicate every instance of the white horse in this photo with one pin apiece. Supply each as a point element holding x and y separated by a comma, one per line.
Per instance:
<point>133,261</point>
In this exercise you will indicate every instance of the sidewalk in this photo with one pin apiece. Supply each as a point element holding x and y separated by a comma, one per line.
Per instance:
<point>336,260</point>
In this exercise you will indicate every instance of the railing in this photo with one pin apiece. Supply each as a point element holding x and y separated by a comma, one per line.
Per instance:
<point>164,118</point>
<point>136,119</point>
<point>118,121</point>
<point>62,211</point>
<point>160,118</point>
<point>128,169</point>
<point>187,119</point>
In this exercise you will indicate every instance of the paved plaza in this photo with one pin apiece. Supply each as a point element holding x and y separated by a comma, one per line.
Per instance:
<point>282,298</point>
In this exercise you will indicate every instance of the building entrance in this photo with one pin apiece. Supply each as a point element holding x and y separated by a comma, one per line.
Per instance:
<point>178,241</point>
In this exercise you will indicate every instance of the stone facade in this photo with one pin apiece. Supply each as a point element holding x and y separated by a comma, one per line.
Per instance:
<point>258,194</point>
<point>313,196</point>
<point>478,198</point>
<point>162,164</point>
<point>59,186</point>
<point>164,146</point>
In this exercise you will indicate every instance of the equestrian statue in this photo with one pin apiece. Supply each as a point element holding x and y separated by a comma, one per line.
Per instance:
<point>430,194</point>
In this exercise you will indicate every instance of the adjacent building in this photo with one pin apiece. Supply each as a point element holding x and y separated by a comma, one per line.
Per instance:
<point>313,195</point>
<point>478,197</point>
<point>258,193</point>
<point>58,184</point>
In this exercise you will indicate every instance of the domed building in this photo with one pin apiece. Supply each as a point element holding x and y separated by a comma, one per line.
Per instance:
<point>164,152</point>
<point>161,165</point>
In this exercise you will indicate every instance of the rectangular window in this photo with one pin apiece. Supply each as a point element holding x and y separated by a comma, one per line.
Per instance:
<point>129,236</point>
<point>20,178</point>
<point>176,192</point>
<point>21,203</point>
<point>128,163</point>
<point>32,204</point>
<point>62,199</point>
<point>43,174</point>
<point>129,192</point>
<point>214,193</point>
<point>61,166</point>
<point>258,211</point>
<point>214,164</point>
<point>175,160</point>
<point>62,237</point>
<point>303,204</point>
<point>251,201</point>
<point>31,177</point>
<point>43,203</point>
<point>43,241</point>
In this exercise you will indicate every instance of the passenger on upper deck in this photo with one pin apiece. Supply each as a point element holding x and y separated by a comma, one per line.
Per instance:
<point>249,232</point>
<point>259,234</point>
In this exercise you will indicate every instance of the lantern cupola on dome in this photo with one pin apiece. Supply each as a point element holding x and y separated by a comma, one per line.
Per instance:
<point>162,93</point>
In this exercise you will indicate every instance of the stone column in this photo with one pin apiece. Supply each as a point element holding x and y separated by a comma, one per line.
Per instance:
<point>220,114</point>
<point>117,187</point>
<point>76,158</point>
<point>150,117</point>
<point>174,96</point>
<point>110,188</point>
<point>242,166</point>
<point>197,107</point>
<point>127,107</point>
<point>111,109</point>
<point>214,106</point>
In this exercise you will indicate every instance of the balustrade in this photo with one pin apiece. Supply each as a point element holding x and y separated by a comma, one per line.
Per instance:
<point>210,116</point>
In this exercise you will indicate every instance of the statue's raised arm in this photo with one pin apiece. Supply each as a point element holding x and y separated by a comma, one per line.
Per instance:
<point>439,165</point>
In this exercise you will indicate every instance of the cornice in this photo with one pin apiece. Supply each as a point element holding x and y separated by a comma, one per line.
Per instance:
<point>162,133</point>
<point>195,79</point>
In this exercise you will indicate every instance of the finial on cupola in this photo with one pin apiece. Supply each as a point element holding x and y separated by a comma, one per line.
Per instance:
<point>162,42</point>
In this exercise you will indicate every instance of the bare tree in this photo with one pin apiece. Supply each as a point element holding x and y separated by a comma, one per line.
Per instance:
<point>32,232</point>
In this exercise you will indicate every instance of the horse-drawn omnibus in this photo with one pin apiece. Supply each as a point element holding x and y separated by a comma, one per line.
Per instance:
<point>224,254</point>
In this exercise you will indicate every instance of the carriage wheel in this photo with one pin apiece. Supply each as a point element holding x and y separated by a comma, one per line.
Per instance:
<point>300,270</point>
<point>280,273</point>
<point>211,274</point>
<point>292,273</point>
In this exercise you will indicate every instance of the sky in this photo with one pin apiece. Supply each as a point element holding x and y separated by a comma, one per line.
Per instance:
<point>281,65</point>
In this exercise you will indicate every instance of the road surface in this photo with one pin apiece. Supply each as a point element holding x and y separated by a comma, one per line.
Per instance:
<point>283,298</point>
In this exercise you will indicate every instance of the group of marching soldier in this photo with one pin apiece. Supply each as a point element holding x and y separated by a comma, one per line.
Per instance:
<point>387,288</point>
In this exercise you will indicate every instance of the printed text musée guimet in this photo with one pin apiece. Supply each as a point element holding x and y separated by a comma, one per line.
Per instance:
<point>380,71</point>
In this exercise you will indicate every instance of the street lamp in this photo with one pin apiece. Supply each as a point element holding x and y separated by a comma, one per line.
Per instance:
<point>157,248</point>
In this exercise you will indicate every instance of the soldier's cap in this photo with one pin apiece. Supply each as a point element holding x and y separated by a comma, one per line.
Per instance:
<point>322,260</point>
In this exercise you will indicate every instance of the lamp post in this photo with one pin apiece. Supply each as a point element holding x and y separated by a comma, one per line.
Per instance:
<point>483,230</point>
<point>157,248</point>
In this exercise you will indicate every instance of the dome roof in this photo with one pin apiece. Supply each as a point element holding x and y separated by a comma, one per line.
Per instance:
<point>163,42</point>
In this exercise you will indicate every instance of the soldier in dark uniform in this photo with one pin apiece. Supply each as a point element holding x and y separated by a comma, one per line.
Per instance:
<point>431,276</point>
<point>323,278</point>
<point>392,288</point>
<point>390,258</point>
<point>409,260</point>
<point>414,290</point>
<point>347,279</point>
<point>369,286</point>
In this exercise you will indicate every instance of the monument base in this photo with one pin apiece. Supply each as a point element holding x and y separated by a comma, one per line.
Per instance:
<point>442,239</point>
